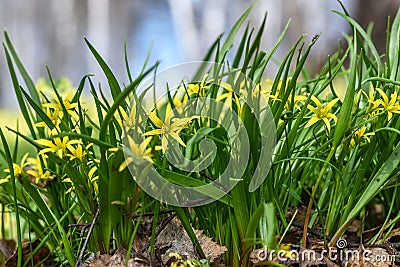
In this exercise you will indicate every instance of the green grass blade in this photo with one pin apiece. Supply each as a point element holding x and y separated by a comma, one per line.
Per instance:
<point>394,47</point>
<point>13,181</point>
<point>105,220</point>
<point>38,110</point>
<point>255,46</point>
<point>231,36</point>
<point>367,39</point>
<point>239,52</point>
<point>154,227</point>
<point>128,69</point>
<point>187,181</point>
<point>112,81</point>
<point>21,102</point>
<point>225,46</point>
<point>146,60</point>
<point>28,81</point>
<point>347,105</point>
<point>80,89</point>
<point>119,100</point>
<point>373,188</point>
<point>264,212</point>
<point>260,70</point>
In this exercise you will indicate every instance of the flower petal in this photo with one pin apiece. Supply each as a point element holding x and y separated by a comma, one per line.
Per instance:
<point>177,138</point>
<point>153,117</point>
<point>154,132</point>
<point>384,96</point>
<point>332,103</point>
<point>316,101</point>
<point>328,125</point>
<point>312,121</point>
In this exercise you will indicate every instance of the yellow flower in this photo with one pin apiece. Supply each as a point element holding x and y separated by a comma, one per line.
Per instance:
<point>179,105</point>
<point>91,176</point>
<point>18,169</point>
<point>55,119</point>
<point>321,112</point>
<point>170,127</point>
<point>264,92</point>
<point>181,262</point>
<point>372,103</point>
<point>128,121</point>
<point>390,106</point>
<point>57,145</point>
<point>66,102</point>
<point>270,84</point>
<point>37,171</point>
<point>93,179</point>
<point>45,87</point>
<point>72,188</point>
<point>359,135</point>
<point>198,89</point>
<point>230,96</point>
<point>297,99</point>
<point>285,251</point>
<point>176,255</point>
<point>140,151</point>
<point>77,153</point>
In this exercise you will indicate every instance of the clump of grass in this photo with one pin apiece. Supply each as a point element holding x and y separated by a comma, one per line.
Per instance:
<point>342,153</point>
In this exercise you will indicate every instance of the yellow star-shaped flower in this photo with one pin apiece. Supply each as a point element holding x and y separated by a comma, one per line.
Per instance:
<point>321,112</point>
<point>170,127</point>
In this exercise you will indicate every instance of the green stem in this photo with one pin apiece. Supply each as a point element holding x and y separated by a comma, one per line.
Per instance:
<point>314,191</point>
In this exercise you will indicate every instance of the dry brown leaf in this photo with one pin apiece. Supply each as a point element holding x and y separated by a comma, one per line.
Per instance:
<point>6,249</point>
<point>174,239</point>
<point>42,256</point>
<point>116,260</point>
<point>394,236</point>
<point>211,249</point>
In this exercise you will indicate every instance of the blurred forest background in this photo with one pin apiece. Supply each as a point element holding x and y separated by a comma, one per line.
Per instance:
<point>51,32</point>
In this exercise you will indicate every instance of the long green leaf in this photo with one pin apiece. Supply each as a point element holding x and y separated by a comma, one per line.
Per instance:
<point>21,102</point>
<point>371,46</point>
<point>373,188</point>
<point>112,81</point>
<point>105,220</point>
<point>188,181</point>
<point>38,110</point>
<point>347,106</point>
<point>225,46</point>
<point>28,81</point>
<point>393,56</point>
<point>231,36</point>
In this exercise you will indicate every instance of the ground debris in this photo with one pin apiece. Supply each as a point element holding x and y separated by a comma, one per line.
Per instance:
<point>370,257</point>
<point>171,239</point>
<point>41,258</point>
<point>174,239</point>
<point>117,259</point>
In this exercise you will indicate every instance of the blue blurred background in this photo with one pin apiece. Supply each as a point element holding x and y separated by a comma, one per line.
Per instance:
<point>51,32</point>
